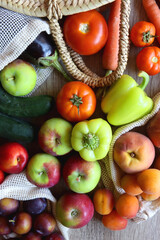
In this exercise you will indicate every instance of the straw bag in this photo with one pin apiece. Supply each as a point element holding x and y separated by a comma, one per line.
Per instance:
<point>111,173</point>
<point>17,186</point>
<point>55,10</point>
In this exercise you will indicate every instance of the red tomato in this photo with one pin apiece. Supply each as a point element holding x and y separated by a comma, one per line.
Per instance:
<point>142,34</point>
<point>86,32</point>
<point>148,60</point>
<point>13,157</point>
<point>76,101</point>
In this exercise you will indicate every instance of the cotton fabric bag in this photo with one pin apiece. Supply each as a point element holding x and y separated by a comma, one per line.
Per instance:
<point>111,173</point>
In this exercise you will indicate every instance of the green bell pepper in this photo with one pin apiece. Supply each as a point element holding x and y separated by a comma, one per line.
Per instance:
<point>91,138</point>
<point>126,101</point>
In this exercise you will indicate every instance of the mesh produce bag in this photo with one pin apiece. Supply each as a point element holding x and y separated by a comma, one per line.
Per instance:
<point>17,186</point>
<point>17,32</point>
<point>111,173</point>
<point>55,10</point>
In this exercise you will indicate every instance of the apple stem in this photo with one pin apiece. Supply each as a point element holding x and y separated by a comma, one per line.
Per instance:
<point>74,213</point>
<point>11,220</point>
<point>78,178</point>
<point>40,173</point>
<point>52,61</point>
<point>132,154</point>
<point>57,141</point>
<point>90,141</point>
<point>11,79</point>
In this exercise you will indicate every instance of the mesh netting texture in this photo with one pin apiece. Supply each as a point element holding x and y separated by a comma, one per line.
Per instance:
<point>17,32</point>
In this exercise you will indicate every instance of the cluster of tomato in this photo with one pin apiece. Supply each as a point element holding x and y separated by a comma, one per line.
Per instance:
<point>143,34</point>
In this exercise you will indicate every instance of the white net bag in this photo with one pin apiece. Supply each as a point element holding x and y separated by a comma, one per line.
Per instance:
<point>111,173</point>
<point>17,32</point>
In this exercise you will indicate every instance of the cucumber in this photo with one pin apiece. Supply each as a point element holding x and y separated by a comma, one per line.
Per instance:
<point>15,129</point>
<point>34,106</point>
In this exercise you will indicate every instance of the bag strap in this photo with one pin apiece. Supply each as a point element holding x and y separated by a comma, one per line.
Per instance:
<point>73,61</point>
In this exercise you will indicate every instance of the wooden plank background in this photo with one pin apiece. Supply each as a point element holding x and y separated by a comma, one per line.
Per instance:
<point>150,229</point>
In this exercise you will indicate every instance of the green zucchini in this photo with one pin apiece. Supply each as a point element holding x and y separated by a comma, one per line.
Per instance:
<point>15,129</point>
<point>33,106</point>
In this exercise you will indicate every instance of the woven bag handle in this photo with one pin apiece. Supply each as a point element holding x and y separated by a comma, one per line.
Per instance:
<point>73,61</point>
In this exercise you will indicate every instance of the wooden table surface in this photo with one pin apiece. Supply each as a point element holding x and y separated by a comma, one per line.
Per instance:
<point>150,229</point>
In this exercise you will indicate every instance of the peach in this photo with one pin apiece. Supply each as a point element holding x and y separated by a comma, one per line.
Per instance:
<point>103,201</point>
<point>129,184</point>
<point>114,221</point>
<point>153,129</point>
<point>149,181</point>
<point>150,197</point>
<point>127,206</point>
<point>133,152</point>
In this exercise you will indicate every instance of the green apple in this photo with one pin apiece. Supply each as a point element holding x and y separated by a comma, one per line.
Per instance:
<point>81,176</point>
<point>18,78</point>
<point>54,136</point>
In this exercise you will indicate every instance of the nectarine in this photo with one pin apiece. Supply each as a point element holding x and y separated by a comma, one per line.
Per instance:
<point>133,152</point>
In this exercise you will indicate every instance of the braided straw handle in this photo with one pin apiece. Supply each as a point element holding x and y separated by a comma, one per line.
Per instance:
<point>54,10</point>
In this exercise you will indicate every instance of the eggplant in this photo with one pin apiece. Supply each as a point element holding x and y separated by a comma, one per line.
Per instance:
<point>42,52</point>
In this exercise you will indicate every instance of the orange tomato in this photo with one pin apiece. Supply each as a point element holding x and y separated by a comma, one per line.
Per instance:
<point>142,34</point>
<point>86,32</point>
<point>76,101</point>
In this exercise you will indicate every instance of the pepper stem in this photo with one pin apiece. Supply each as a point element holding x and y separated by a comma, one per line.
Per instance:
<point>52,61</point>
<point>90,141</point>
<point>145,81</point>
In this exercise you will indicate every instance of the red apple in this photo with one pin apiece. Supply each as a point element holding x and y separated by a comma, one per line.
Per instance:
<point>2,176</point>
<point>13,157</point>
<point>21,223</point>
<point>74,210</point>
<point>81,176</point>
<point>43,170</point>
<point>44,224</point>
<point>55,236</point>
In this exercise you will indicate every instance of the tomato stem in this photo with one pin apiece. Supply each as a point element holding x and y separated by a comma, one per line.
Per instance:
<point>76,101</point>
<point>147,36</point>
